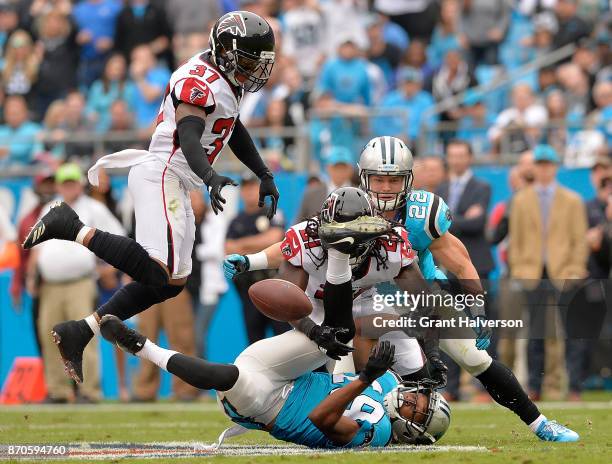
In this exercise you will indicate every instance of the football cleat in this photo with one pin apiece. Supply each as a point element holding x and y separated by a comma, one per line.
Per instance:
<point>61,222</point>
<point>550,430</point>
<point>71,338</point>
<point>115,331</point>
<point>343,236</point>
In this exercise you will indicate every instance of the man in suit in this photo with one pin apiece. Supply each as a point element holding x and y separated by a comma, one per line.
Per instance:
<point>340,171</point>
<point>468,200</point>
<point>548,252</point>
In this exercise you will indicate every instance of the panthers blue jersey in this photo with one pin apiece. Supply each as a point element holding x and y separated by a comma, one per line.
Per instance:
<point>427,218</point>
<point>292,423</point>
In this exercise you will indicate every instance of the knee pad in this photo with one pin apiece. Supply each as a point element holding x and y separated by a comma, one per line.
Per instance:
<point>465,353</point>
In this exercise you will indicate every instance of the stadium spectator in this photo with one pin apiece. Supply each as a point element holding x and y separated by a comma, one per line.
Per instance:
<point>96,24</point>
<point>547,80</point>
<point>558,119</point>
<point>295,95</point>
<point>575,84</point>
<point>484,24</point>
<point>474,124</point>
<point>601,179</point>
<point>346,78</point>
<point>339,167</point>
<point>304,36</point>
<point>150,78</point>
<point>53,133</point>
<point>44,188</point>
<point>547,249</point>
<point>113,85</point>
<point>9,20</point>
<point>601,116</point>
<point>175,318</point>
<point>382,53</point>
<point>67,289</point>
<point>417,17</point>
<point>518,128</point>
<point>249,232</point>
<point>416,56</point>
<point>188,17</point>
<point>141,22</point>
<point>209,252</point>
<point>344,19</point>
<point>412,102</point>
<point>18,136</point>
<point>60,54</point>
<point>446,33</point>
<point>21,64</point>
<point>572,27</point>
<point>452,78</point>
<point>429,173</point>
<point>76,123</point>
<point>540,43</point>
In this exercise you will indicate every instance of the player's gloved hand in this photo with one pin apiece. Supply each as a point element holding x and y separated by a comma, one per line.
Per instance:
<point>325,337</point>
<point>234,265</point>
<point>381,359</point>
<point>483,335</point>
<point>215,183</point>
<point>437,370</point>
<point>267,188</point>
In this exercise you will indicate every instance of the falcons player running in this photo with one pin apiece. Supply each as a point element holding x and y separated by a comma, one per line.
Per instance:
<point>197,118</point>
<point>385,171</point>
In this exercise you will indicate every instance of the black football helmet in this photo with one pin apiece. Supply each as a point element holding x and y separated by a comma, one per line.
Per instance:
<point>348,223</point>
<point>242,47</point>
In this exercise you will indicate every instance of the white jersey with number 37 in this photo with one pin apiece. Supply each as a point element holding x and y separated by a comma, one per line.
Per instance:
<point>197,82</point>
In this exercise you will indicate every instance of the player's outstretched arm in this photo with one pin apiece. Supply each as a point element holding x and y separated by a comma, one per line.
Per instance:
<point>269,258</point>
<point>328,415</point>
<point>190,123</point>
<point>245,150</point>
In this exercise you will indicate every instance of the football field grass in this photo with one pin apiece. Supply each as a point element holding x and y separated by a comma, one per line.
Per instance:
<point>478,434</point>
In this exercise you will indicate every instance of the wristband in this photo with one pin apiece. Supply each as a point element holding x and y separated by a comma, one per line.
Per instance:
<point>257,261</point>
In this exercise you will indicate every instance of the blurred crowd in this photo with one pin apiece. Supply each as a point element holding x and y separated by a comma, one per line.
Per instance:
<point>75,72</point>
<point>71,71</point>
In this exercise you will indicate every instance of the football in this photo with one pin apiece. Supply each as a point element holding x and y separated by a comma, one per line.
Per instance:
<point>280,300</point>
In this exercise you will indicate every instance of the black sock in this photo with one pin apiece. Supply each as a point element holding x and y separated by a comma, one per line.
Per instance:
<point>506,390</point>
<point>135,298</point>
<point>203,374</point>
<point>128,256</point>
<point>338,304</point>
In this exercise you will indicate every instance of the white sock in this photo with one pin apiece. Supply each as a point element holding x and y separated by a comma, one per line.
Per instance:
<point>82,233</point>
<point>338,267</point>
<point>536,423</point>
<point>93,324</point>
<point>156,354</point>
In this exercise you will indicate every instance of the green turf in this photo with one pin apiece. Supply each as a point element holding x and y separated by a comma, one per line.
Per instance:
<point>505,437</point>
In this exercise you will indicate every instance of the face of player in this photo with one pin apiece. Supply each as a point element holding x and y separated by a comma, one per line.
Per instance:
<point>386,188</point>
<point>415,407</point>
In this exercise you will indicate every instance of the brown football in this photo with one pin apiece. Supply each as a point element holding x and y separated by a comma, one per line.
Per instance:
<point>280,300</point>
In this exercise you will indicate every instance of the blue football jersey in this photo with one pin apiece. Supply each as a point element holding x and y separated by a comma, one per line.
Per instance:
<point>292,423</point>
<point>427,218</point>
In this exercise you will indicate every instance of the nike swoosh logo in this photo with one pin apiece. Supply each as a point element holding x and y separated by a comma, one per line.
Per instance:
<point>349,240</point>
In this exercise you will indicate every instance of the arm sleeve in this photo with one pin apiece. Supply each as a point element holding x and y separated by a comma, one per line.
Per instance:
<point>243,147</point>
<point>189,131</point>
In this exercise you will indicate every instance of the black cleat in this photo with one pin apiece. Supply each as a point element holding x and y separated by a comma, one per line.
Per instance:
<point>61,222</point>
<point>115,331</point>
<point>347,236</point>
<point>71,338</point>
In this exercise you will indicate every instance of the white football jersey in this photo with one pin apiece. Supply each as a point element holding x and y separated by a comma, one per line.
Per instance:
<point>302,251</point>
<point>197,82</point>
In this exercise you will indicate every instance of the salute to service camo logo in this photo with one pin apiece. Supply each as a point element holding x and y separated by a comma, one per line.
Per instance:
<point>234,24</point>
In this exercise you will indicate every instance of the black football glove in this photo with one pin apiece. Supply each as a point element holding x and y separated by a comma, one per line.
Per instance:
<point>215,183</point>
<point>437,370</point>
<point>267,188</point>
<point>325,337</point>
<point>381,359</point>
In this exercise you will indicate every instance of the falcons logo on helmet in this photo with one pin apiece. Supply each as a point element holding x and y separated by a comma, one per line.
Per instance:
<point>234,23</point>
